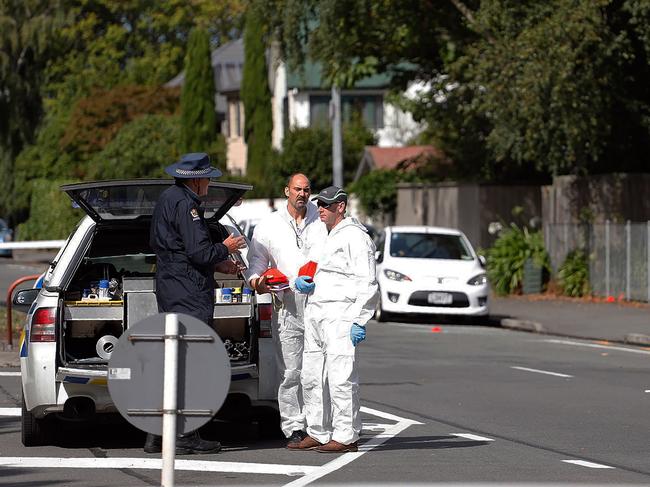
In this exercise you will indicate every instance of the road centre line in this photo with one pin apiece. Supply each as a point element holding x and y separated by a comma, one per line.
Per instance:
<point>584,463</point>
<point>9,374</point>
<point>595,345</point>
<point>156,464</point>
<point>556,374</point>
<point>469,436</point>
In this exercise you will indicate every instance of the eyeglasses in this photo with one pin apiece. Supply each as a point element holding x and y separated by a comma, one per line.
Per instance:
<point>320,204</point>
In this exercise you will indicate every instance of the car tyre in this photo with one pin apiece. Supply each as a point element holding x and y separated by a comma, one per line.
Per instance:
<point>268,422</point>
<point>381,315</point>
<point>34,431</point>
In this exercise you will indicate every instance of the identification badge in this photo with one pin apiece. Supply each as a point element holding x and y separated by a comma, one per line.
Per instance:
<point>195,214</point>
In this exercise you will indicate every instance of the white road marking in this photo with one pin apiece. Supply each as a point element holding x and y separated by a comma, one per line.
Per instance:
<point>156,464</point>
<point>556,374</point>
<point>9,374</point>
<point>384,415</point>
<point>10,412</point>
<point>346,458</point>
<point>583,463</point>
<point>596,345</point>
<point>471,437</point>
<point>375,426</point>
<point>308,473</point>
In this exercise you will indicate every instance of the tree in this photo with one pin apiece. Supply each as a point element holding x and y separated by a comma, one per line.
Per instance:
<point>309,150</point>
<point>198,116</point>
<point>142,148</point>
<point>136,42</point>
<point>518,88</point>
<point>255,93</point>
<point>27,42</point>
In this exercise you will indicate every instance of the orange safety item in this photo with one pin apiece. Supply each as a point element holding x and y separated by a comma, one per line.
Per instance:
<point>274,277</point>
<point>309,269</point>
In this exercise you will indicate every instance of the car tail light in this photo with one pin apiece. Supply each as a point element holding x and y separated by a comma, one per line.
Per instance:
<point>43,325</point>
<point>265,312</point>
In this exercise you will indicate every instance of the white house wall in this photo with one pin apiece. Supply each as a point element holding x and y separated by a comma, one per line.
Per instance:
<point>279,94</point>
<point>399,127</point>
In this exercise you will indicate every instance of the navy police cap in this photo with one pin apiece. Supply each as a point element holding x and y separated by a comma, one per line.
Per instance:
<point>193,165</point>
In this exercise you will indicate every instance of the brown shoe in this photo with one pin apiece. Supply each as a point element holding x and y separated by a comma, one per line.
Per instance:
<point>308,443</point>
<point>336,447</point>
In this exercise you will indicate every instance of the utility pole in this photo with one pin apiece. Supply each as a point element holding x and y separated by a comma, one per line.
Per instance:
<point>337,140</point>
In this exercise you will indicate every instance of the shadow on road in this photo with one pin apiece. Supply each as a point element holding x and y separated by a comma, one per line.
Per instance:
<point>428,443</point>
<point>432,320</point>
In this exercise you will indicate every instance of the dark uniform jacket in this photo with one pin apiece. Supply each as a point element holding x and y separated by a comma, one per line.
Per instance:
<point>185,255</point>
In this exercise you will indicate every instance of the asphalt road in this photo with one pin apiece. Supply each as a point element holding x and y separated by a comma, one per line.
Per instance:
<point>449,404</point>
<point>20,266</point>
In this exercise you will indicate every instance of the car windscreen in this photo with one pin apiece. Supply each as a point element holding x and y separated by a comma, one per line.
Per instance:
<point>429,246</point>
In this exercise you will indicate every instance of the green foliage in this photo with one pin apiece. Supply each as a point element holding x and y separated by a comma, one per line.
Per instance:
<point>309,150</point>
<point>136,42</point>
<point>255,93</point>
<point>573,275</point>
<point>51,213</point>
<point>96,120</point>
<point>506,258</point>
<point>377,192</point>
<point>142,148</point>
<point>28,30</point>
<point>42,160</point>
<point>519,90</point>
<point>198,117</point>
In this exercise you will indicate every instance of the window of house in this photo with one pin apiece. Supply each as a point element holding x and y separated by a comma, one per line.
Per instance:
<point>370,108</point>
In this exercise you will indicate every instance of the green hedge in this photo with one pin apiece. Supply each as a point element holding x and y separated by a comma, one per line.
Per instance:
<point>51,213</point>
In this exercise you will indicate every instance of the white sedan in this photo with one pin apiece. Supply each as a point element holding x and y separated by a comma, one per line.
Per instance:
<point>432,270</point>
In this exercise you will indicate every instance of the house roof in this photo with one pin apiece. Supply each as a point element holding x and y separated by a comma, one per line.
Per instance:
<point>395,157</point>
<point>311,77</point>
<point>227,65</point>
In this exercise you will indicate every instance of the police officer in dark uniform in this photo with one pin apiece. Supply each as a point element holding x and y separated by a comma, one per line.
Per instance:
<point>186,259</point>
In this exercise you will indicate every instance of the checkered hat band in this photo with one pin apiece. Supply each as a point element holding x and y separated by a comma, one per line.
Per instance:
<point>196,172</point>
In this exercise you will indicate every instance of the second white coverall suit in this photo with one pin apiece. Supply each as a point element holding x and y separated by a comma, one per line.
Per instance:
<point>345,293</point>
<point>278,243</point>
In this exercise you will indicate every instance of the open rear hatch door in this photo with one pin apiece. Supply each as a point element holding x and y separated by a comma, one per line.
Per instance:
<point>128,200</point>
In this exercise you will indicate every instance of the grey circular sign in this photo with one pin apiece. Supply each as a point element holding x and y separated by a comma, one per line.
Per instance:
<point>135,374</point>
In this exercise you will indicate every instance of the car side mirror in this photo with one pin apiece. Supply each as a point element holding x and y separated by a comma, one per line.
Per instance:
<point>482,260</point>
<point>379,255</point>
<point>24,298</point>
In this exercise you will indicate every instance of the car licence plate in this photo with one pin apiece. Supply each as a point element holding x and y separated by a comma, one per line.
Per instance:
<point>440,298</point>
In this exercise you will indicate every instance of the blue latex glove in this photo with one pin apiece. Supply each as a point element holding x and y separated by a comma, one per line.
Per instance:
<point>304,285</point>
<point>357,334</point>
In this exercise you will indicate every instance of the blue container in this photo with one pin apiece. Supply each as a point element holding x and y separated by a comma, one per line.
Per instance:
<point>226,295</point>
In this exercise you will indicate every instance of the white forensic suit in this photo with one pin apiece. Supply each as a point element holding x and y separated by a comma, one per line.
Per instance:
<point>345,293</point>
<point>278,242</point>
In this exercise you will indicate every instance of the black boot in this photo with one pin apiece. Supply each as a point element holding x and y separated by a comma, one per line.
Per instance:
<point>194,444</point>
<point>153,444</point>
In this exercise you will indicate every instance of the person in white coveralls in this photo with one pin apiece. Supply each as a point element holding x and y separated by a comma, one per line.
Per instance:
<point>341,299</point>
<point>285,240</point>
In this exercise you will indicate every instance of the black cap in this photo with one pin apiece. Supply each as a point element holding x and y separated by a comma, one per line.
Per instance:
<point>331,194</point>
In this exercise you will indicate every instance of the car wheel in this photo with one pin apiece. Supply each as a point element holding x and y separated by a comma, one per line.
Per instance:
<point>268,422</point>
<point>35,431</point>
<point>380,315</point>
